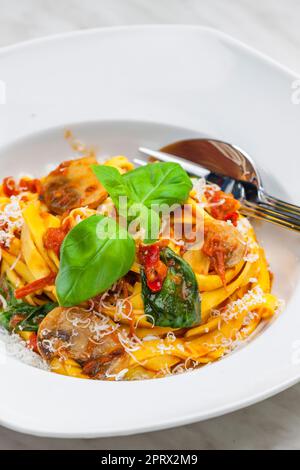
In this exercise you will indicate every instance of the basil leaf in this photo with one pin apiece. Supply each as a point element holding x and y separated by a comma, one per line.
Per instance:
<point>177,304</point>
<point>139,217</point>
<point>95,254</point>
<point>113,182</point>
<point>153,184</point>
<point>159,183</point>
<point>149,187</point>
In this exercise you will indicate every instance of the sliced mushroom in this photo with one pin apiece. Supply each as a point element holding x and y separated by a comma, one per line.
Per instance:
<point>86,337</point>
<point>72,184</point>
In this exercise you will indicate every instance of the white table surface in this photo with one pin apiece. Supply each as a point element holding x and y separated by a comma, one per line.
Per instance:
<point>271,26</point>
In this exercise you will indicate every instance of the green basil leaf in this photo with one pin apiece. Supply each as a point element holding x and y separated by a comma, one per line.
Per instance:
<point>113,182</point>
<point>95,254</point>
<point>177,304</point>
<point>149,186</point>
<point>153,184</point>
<point>158,183</point>
<point>139,217</point>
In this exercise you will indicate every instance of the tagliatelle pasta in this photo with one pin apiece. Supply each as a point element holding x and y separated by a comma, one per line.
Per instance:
<point>171,305</point>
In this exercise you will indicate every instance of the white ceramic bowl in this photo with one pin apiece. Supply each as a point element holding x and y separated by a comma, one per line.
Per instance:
<point>123,87</point>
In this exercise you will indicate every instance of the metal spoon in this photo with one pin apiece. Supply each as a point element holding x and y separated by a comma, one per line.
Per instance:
<point>213,157</point>
<point>226,159</point>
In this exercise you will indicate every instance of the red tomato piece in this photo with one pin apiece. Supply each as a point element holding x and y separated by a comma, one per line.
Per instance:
<point>10,187</point>
<point>155,270</point>
<point>225,207</point>
<point>35,286</point>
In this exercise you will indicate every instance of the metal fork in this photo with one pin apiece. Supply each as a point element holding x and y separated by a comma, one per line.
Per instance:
<point>254,202</point>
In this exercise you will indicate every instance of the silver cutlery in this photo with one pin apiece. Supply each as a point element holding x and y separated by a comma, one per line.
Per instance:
<point>234,171</point>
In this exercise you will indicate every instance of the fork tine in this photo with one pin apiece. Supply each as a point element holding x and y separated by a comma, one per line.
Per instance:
<point>263,217</point>
<point>140,162</point>
<point>278,203</point>
<point>270,210</point>
<point>256,215</point>
<point>263,214</point>
<point>280,210</point>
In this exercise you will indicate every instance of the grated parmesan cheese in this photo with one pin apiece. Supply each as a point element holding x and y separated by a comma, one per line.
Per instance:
<point>15,346</point>
<point>251,257</point>
<point>243,226</point>
<point>3,301</point>
<point>119,313</point>
<point>12,267</point>
<point>102,328</point>
<point>199,187</point>
<point>150,338</point>
<point>129,343</point>
<point>253,297</point>
<point>162,348</point>
<point>171,337</point>
<point>248,319</point>
<point>188,365</point>
<point>118,376</point>
<point>11,221</point>
<point>166,370</point>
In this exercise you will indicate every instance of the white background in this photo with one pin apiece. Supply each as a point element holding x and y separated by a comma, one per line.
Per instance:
<point>272,26</point>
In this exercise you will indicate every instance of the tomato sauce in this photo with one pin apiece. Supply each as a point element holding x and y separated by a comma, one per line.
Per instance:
<point>32,342</point>
<point>12,188</point>
<point>53,238</point>
<point>214,248</point>
<point>225,208</point>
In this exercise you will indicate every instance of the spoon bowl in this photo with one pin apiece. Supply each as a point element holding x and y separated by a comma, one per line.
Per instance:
<point>218,157</point>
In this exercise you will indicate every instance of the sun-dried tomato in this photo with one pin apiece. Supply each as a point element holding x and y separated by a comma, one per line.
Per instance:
<point>155,269</point>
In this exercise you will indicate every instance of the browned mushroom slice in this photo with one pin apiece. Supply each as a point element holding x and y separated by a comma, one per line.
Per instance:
<point>72,184</point>
<point>87,337</point>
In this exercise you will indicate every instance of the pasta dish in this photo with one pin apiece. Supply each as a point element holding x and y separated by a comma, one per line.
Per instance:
<point>96,294</point>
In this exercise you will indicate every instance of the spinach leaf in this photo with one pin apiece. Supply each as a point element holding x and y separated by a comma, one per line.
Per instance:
<point>153,184</point>
<point>33,315</point>
<point>177,304</point>
<point>95,254</point>
<point>34,318</point>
